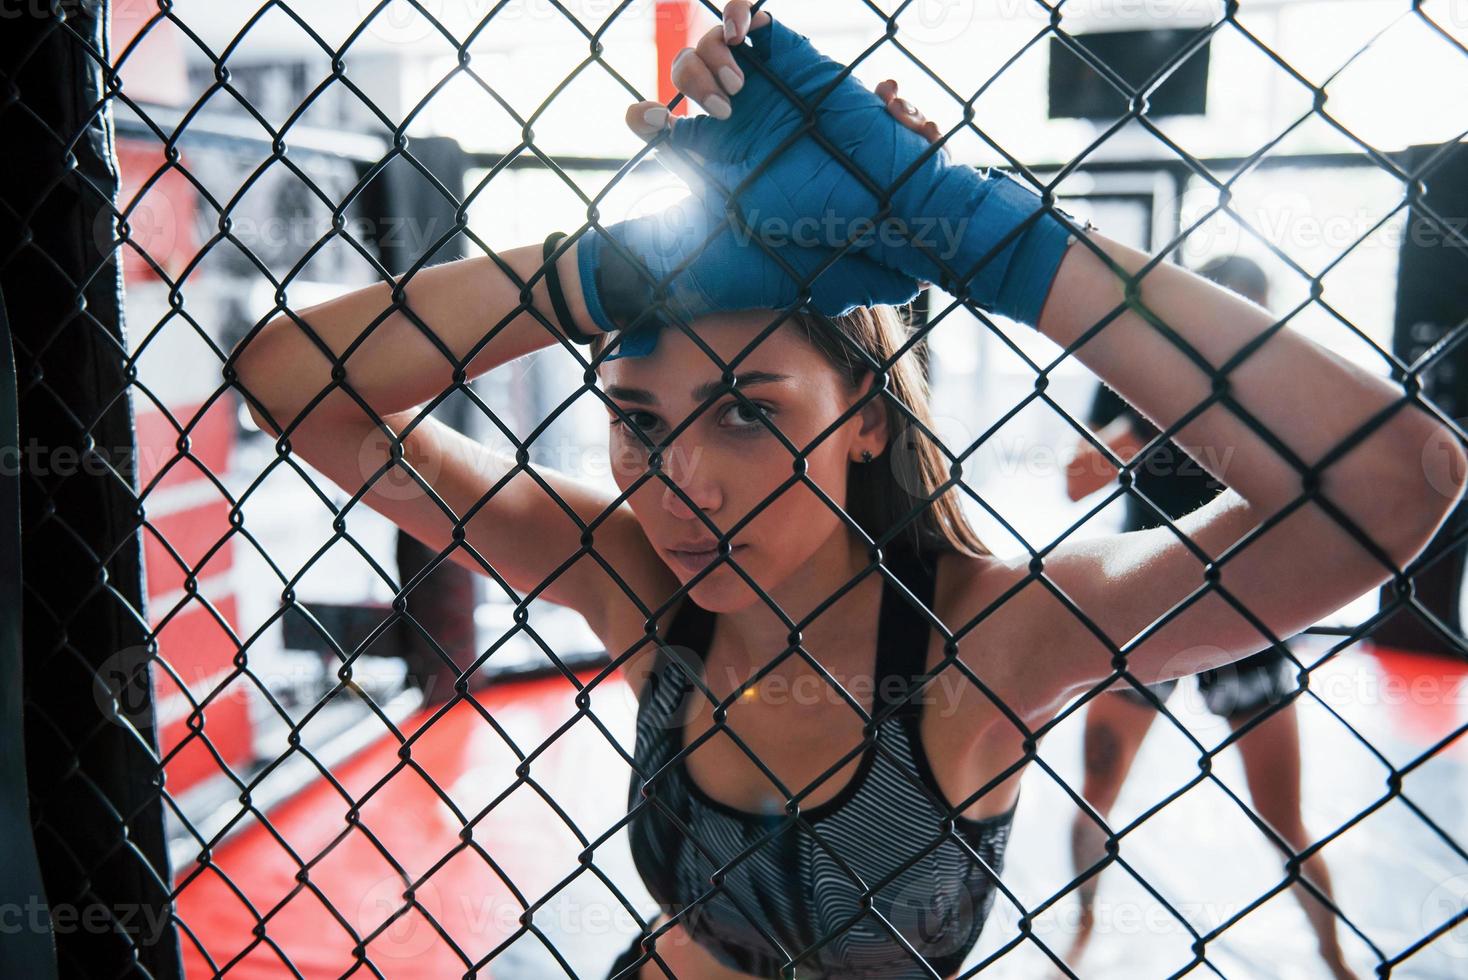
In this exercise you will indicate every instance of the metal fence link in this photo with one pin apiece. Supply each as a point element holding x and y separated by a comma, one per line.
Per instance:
<point>152,709</point>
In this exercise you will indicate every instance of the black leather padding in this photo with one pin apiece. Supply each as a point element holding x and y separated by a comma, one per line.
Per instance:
<point>30,951</point>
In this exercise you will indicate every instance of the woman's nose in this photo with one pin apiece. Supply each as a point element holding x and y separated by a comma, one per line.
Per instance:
<point>685,468</point>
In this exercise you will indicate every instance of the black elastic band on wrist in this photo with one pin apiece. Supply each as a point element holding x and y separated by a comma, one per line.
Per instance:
<point>558,298</point>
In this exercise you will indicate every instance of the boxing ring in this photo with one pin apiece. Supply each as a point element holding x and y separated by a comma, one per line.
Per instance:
<point>251,749</point>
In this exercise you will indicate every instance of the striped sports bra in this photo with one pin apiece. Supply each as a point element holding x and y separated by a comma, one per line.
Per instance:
<point>874,882</point>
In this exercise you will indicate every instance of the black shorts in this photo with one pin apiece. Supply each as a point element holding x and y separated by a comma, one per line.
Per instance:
<point>1239,688</point>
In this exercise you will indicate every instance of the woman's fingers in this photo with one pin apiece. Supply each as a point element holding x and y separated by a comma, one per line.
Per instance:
<point>738,21</point>
<point>714,51</point>
<point>695,78</point>
<point>887,91</point>
<point>905,112</point>
<point>911,117</point>
<point>706,74</point>
<point>684,152</point>
<point>646,119</point>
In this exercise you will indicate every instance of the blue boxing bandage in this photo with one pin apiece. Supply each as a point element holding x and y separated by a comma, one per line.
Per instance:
<point>734,272</point>
<point>943,217</point>
<point>799,206</point>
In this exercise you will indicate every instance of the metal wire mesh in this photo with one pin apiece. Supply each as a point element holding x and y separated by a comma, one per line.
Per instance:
<point>886,27</point>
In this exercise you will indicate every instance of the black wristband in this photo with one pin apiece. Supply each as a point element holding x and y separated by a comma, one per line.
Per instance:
<point>558,298</point>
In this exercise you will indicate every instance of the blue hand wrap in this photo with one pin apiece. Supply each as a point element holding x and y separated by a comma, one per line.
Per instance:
<point>942,216</point>
<point>731,273</point>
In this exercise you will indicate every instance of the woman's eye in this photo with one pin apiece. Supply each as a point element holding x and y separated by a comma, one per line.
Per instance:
<point>750,415</point>
<point>736,415</point>
<point>642,421</point>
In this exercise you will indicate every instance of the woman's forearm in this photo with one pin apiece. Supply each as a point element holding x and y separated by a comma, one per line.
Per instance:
<point>396,366</point>
<point>1309,398</point>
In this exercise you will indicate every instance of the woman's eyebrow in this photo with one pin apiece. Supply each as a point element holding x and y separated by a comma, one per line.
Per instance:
<point>748,379</point>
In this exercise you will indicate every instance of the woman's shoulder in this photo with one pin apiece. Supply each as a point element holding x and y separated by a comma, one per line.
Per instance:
<point>966,586</point>
<point>624,623</point>
<point>993,595</point>
<point>967,583</point>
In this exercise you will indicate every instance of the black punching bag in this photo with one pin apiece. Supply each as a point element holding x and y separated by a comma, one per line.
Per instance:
<point>414,219</point>
<point>1432,309</point>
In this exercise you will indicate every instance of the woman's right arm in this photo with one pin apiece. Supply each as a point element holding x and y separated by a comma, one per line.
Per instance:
<point>393,367</point>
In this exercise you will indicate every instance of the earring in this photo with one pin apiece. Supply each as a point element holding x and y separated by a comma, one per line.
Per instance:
<point>866,455</point>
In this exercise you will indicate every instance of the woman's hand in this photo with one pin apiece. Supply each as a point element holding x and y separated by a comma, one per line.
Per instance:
<point>695,71</point>
<point>905,112</point>
<point>970,231</point>
<point>785,187</point>
<point>706,267</point>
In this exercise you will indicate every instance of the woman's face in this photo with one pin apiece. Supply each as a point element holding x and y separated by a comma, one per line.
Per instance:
<point>727,461</point>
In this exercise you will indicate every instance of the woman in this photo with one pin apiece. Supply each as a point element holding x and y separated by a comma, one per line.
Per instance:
<point>873,878</point>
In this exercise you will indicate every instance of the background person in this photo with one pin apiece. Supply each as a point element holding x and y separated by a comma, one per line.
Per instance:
<point>1117,723</point>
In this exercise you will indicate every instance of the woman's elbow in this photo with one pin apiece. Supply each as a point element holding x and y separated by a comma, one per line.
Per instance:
<point>260,372</point>
<point>1408,494</point>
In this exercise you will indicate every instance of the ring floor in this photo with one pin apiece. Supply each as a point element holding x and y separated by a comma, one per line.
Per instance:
<point>1400,871</point>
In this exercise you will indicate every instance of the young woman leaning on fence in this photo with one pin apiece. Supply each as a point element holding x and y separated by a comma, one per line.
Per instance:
<point>1323,461</point>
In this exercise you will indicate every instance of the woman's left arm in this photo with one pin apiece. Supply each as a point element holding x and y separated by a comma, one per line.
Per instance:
<point>1396,485</point>
<point>1283,554</point>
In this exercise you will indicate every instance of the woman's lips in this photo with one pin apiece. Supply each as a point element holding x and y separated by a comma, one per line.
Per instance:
<point>696,560</point>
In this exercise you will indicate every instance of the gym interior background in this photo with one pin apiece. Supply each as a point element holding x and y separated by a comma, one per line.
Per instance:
<point>214,682</point>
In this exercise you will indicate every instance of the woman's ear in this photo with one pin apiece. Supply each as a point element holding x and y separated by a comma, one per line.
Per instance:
<point>872,432</point>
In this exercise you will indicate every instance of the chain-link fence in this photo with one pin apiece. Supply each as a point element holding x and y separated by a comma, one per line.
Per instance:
<point>227,683</point>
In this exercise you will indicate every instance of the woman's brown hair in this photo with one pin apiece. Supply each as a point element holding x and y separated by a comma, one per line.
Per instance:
<point>882,493</point>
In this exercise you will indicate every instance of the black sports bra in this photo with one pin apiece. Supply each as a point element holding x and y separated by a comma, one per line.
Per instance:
<point>871,883</point>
